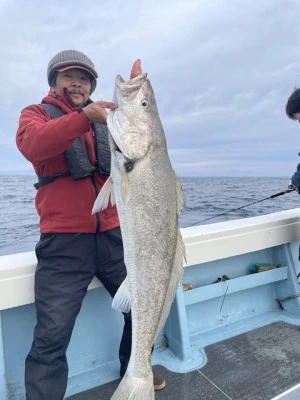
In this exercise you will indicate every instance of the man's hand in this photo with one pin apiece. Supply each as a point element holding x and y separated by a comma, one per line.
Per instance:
<point>96,112</point>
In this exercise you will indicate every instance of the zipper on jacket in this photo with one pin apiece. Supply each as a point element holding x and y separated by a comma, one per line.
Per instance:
<point>96,194</point>
<point>93,180</point>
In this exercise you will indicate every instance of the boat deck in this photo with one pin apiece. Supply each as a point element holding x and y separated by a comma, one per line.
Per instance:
<point>262,364</point>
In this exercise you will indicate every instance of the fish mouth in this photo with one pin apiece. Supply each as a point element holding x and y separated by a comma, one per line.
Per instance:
<point>128,90</point>
<point>125,91</point>
<point>133,81</point>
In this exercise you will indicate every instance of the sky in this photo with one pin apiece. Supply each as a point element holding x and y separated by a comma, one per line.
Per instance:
<point>221,70</point>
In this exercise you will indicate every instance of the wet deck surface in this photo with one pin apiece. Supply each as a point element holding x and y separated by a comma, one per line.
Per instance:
<point>258,365</point>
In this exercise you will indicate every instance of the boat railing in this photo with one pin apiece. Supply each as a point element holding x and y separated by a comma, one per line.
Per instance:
<point>207,307</point>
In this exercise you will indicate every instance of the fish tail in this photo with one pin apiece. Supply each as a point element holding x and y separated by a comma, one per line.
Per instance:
<point>133,388</point>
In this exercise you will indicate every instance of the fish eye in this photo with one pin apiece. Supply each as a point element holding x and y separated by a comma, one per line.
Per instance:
<point>145,103</point>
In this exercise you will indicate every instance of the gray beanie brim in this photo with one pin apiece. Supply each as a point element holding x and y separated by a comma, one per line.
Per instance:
<point>68,59</point>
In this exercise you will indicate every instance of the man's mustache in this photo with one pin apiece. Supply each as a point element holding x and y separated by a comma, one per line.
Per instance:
<point>76,92</point>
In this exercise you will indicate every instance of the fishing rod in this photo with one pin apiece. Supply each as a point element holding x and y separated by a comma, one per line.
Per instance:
<point>289,190</point>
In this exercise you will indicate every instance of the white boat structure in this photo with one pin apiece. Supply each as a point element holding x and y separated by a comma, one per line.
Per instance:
<point>224,301</point>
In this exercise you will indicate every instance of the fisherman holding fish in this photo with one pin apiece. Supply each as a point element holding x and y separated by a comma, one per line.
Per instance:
<point>66,140</point>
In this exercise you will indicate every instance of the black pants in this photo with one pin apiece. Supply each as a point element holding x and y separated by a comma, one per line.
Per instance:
<point>66,265</point>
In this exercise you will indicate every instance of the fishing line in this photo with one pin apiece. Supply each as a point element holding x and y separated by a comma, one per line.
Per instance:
<point>224,279</point>
<point>289,190</point>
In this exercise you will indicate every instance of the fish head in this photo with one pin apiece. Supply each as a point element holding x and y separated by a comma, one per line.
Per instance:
<point>135,125</point>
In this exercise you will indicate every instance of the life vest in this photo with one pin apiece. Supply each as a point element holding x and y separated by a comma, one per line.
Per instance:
<point>77,159</point>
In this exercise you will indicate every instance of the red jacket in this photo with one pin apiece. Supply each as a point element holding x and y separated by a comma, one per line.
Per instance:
<point>65,205</point>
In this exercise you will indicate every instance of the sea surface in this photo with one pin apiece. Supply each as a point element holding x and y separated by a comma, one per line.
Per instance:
<point>205,198</point>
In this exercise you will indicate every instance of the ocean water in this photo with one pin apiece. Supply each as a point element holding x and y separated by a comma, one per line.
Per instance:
<point>205,198</point>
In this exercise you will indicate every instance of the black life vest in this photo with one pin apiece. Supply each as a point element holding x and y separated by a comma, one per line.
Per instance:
<point>77,158</point>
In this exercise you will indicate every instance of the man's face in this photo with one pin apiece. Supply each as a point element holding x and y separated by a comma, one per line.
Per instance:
<point>77,83</point>
<point>297,116</point>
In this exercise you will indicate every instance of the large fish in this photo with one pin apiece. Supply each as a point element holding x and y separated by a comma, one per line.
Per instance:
<point>149,198</point>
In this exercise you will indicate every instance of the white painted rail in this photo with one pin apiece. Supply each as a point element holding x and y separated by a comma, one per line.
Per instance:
<point>203,244</point>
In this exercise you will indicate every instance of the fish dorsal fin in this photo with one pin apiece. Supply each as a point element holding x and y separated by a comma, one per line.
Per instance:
<point>176,277</point>
<point>106,193</point>
<point>121,301</point>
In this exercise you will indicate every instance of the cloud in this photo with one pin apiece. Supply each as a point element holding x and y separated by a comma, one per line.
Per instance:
<point>221,72</point>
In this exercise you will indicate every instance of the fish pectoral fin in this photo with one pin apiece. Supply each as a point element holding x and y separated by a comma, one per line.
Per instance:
<point>106,193</point>
<point>179,194</point>
<point>121,301</point>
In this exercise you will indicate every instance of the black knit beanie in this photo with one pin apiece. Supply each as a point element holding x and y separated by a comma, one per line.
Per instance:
<point>71,59</point>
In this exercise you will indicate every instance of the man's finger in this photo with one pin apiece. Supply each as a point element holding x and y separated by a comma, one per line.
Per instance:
<point>107,104</point>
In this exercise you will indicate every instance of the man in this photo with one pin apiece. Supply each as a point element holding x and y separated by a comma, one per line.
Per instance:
<point>292,110</point>
<point>65,138</point>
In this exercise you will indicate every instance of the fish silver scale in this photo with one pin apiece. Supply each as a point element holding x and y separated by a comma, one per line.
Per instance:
<point>148,210</point>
